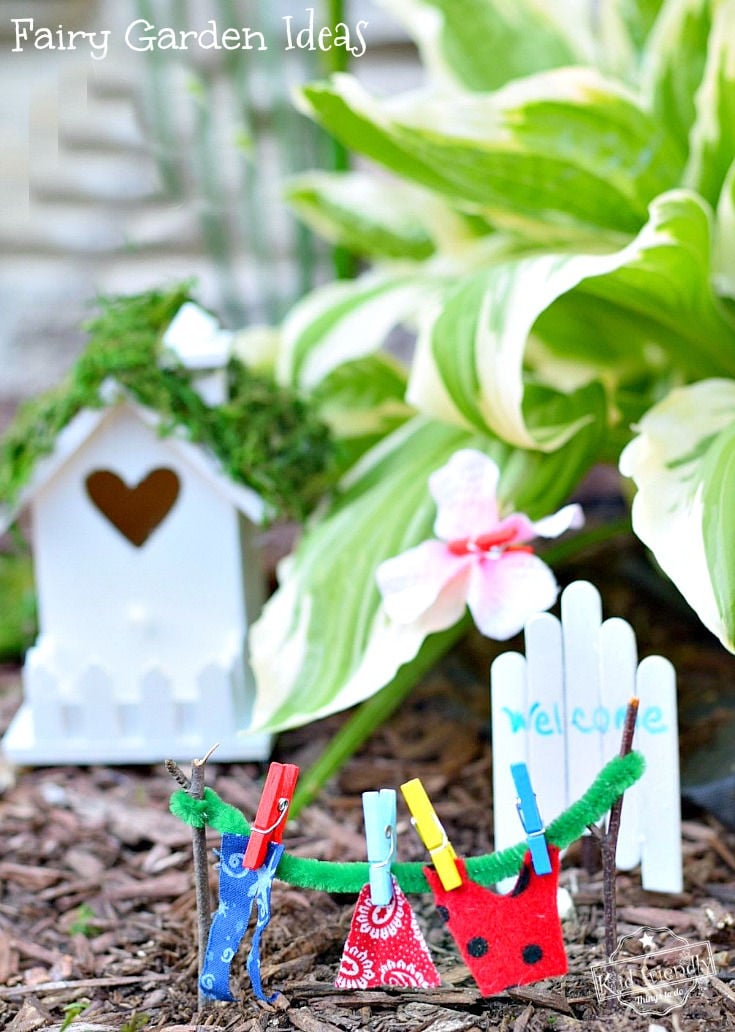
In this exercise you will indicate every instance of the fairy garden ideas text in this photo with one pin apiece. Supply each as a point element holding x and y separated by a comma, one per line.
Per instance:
<point>143,36</point>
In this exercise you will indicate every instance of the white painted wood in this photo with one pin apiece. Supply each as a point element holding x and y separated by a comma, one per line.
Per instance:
<point>618,666</point>
<point>142,651</point>
<point>581,618</point>
<point>44,701</point>
<point>214,700</point>
<point>580,674</point>
<point>509,703</point>
<point>546,746</point>
<point>93,705</point>
<point>157,704</point>
<point>659,786</point>
<point>198,341</point>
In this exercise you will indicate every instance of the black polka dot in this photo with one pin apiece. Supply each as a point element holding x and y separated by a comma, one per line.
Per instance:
<point>532,953</point>
<point>443,914</point>
<point>477,947</point>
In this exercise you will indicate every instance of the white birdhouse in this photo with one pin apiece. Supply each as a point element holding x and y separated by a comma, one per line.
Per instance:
<point>147,580</point>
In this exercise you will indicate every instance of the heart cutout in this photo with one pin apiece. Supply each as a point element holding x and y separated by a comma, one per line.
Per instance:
<point>134,511</point>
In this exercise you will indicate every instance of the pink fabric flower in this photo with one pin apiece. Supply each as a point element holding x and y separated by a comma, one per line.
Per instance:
<point>480,560</point>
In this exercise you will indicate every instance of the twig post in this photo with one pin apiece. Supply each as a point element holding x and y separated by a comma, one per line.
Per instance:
<point>609,840</point>
<point>195,787</point>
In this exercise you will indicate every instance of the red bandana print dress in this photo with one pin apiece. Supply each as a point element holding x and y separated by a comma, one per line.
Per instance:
<point>385,947</point>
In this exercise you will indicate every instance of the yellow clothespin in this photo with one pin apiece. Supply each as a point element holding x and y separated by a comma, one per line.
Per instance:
<point>432,833</point>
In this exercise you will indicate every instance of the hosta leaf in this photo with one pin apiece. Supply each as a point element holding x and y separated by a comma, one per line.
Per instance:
<point>342,322</point>
<point>377,218</point>
<point>481,44</point>
<point>683,465</point>
<point>362,402</point>
<point>712,138</point>
<point>323,642</point>
<point>718,525</point>
<point>673,63</point>
<point>663,280</point>
<point>470,364</point>
<point>619,29</point>
<point>565,149</point>
<point>724,251</point>
<point>637,17</point>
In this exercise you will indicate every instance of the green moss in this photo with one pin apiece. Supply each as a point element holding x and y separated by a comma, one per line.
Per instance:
<point>264,436</point>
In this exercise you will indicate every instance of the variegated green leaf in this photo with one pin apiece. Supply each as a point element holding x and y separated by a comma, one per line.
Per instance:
<point>323,642</point>
<point>362,402</point>
<point>683,465</point>
<point>345,321</point>
<point>673,63</point>
<point>482,44</point>
<point>724,251</point>
<point>372,217</point>
<point>565,149</point>
<point>637,18</point>
<point>470,365</point>
<point>663,280</point>
<point>618,31</point>
<point>718,526</point>
<point>712,139</point>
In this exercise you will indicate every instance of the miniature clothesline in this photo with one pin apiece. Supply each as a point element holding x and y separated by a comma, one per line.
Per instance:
<point>349,877</point>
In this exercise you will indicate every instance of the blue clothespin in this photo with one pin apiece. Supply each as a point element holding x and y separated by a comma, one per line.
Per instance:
<point>379,809</point>
<point>531,819</point>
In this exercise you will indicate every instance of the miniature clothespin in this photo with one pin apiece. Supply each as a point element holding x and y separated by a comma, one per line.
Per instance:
<point>379,809</point>
<point>272,812</point>
<point>531,819</point>
<point>432,833</point>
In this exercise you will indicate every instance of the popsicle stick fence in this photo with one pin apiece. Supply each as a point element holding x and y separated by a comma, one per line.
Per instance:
<point>560,709</point>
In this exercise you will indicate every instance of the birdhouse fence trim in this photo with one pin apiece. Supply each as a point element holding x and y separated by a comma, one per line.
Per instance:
<point>91,719</point>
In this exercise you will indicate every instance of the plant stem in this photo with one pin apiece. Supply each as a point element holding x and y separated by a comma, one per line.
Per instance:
<point>368,717</point>
<point>371,714</point>
<point>609,841</point>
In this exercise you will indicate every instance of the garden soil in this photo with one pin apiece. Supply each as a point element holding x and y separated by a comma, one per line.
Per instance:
<point>97,910</point>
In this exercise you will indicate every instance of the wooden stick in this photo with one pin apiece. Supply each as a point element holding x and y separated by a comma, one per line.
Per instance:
<point>195,787</point>
<point>609,841</point>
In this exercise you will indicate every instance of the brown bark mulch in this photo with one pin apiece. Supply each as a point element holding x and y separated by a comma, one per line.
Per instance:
<point>97,915</point>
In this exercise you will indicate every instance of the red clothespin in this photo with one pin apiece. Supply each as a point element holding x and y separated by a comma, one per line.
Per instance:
<point>270,819</point>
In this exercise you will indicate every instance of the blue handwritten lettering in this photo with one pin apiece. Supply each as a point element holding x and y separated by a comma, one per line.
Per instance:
<point>651,720</point>
<point>549,720</point>
<point>577,715</point>
<point>542,724</point>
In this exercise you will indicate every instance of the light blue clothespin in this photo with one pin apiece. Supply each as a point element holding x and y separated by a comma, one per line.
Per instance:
<point>379,809</point>
<point>531,819</point>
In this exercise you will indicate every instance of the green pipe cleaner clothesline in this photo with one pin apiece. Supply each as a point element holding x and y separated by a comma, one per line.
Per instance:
<point>325,876</point>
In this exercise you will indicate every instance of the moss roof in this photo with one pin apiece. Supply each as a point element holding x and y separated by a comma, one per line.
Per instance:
<point>264,436</point>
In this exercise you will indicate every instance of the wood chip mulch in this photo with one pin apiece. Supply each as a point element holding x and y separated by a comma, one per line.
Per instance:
<point>97,913</point>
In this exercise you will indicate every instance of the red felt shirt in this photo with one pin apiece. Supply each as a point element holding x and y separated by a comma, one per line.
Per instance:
<point>505,940</point>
